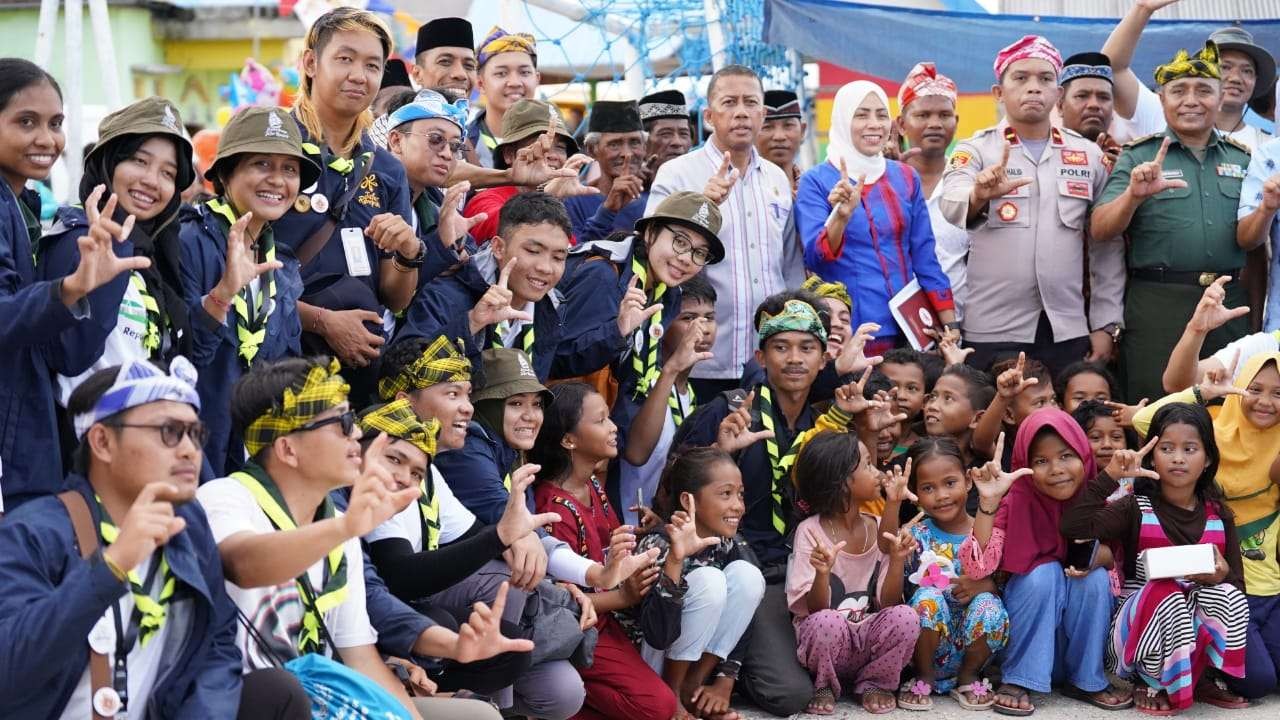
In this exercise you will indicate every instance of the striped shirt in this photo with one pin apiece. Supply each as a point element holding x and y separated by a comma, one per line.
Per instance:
<point>755,214</point>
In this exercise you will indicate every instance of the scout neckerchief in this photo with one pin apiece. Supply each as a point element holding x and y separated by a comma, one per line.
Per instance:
<point>148,613</point>
<point>427,213</point>
<point>644,359</point>
<point>779,463</point>
<point>251,312</point>
<point>333,590</point>
<point>524,338</point>
<point>151,335</point>
<point>572,507</point>
<point>33,225</point>
<point>345,167</point>
<point>678,410</point>
<point>429,511</point>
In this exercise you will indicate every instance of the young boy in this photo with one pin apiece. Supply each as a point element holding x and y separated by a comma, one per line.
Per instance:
<point>905,369</point>
<point>958,402</point>
<point>1022,387</point>
<point>506,297</point>
<point>671,400</point>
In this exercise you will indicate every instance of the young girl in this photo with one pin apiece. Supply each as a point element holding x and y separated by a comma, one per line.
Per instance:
<point>1082,381</point>
<point>1168,631</point>
<point>709,585</point>
<point>1106,437</point>
<point>850,622</point>
<point>1054,611</point>
<point>962,621</point>
<point>37,311</point>
<point>244,297</point>
<point>143,157</point>
<point>1247,432</point>
<point>576,436</point>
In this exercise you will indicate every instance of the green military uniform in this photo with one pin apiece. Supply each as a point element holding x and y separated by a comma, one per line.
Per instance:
<point>1179,240</point>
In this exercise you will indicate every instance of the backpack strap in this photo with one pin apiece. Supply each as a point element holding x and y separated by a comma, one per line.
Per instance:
<point>87,539</point>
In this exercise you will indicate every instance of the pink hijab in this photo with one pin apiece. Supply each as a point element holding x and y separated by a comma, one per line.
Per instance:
<point>1028,518</point>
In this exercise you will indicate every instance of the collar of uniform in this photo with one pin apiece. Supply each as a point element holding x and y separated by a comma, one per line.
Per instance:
<point>1056,137</point>
<point>1216,137</point>
<point>365,145</point>
<point>717,157</point>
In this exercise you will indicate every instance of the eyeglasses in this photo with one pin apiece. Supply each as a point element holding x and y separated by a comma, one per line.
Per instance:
<point>171,433</point>
<point>683,245</point>
<point>347,419</point>
<point>437,142</point>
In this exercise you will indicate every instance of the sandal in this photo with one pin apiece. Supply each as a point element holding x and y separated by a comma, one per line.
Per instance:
<point>1018,694</point>
<point>1222,696</point>
<point>980,690</point>
<point>877,691</point>
<point>1091,698</point>
<point>823,702</point>
<point>1151,692</point>
<point>918,689</point>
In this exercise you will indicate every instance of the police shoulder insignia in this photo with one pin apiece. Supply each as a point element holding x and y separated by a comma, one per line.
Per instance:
<point>960,158</point>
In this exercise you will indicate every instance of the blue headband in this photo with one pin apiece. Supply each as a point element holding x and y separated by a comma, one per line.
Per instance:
<point>139,382</point>
<point>1073,72</point>
<point>431,104</point>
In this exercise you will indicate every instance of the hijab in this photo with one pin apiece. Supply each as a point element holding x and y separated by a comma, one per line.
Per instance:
<point>1029,518</point>
<point>156,239</point>
<point>840,140</point>
<point>1247,451</point>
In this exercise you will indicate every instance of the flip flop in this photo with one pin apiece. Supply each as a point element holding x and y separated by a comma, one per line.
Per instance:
<point>1155,712</point>
<point>1083,696</point>
<point>1017,693</point>
<point>979,689</point>
<point>1221,702</point>
<point>918,688</point>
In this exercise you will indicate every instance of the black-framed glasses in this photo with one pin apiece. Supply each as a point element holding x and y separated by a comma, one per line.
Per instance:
<point>437,142</point>
<point>347,419</point>
<point>172,432</point>
<point>684,246</point>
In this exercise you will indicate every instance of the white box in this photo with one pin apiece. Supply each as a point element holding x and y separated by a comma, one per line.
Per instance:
<point>1178,561</point>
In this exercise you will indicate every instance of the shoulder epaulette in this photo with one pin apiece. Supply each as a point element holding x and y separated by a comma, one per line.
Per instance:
<point>1237,144</point>
<point>1144,138</point>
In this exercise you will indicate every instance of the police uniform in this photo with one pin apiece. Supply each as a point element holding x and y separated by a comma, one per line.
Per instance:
<point>1180,241</point>
<point>345,274</point>
<point>1026,257</point>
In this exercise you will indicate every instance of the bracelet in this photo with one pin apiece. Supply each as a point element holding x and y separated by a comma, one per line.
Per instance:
<point>985,511</point>
<point>401,267</point>
<point>1195,390</point>
<point>224,304</point>
<point>411,263</point>
<point>315,321</point>
<point>121,575</point>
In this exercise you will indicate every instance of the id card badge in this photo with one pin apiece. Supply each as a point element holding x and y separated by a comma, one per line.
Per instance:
<point>357,255</point>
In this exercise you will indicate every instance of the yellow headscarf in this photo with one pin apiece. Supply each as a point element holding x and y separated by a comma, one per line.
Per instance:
<point>1247,451</point>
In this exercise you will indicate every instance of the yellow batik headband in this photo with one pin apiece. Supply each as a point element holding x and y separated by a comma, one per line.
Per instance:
<point>833,290</point>
<point>322,390</point>
<point>440,362</point>
<point>1203,64</point>
<point>398,420</point>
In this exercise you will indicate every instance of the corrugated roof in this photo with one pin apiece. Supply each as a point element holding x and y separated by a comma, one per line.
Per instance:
<point>1186,10</point>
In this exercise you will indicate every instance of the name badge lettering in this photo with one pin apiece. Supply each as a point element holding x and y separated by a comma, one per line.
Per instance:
<point>357,255</point>
<point>1171,174</point>
<point>1075,173</point>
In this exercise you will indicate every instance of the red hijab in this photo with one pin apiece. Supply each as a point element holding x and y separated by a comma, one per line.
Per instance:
<point>1029,518</point>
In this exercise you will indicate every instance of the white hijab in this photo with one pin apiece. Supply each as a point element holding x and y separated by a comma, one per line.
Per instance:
<point>839,141</point>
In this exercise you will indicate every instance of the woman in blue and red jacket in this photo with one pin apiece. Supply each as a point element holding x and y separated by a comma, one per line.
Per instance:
<point>865,221</point>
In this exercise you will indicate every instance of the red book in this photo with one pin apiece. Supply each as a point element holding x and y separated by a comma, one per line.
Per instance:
<point>914,313</point>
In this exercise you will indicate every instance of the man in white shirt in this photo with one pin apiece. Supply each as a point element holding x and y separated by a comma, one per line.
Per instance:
<point>755,200</point>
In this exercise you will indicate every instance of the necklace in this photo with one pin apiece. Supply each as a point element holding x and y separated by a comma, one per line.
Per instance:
<point>833,532</point>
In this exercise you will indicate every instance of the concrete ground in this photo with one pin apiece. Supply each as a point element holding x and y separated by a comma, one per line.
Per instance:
<point>1048,707</point>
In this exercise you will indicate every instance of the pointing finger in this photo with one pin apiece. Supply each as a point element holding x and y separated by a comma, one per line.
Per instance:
<point>844,172</point>
<point>1004,156</point>
<point>91,204</point>
<point>505,277</point>
<point>1164,149</point>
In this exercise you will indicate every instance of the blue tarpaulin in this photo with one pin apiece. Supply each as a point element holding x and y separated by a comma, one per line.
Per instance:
<point>886,42</point>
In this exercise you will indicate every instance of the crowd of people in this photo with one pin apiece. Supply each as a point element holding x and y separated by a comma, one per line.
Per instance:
<point>447,411</point>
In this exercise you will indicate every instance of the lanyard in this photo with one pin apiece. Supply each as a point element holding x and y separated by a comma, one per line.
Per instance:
<point>678,410</point>
<point>779,463</point>
<point>149,613</point>
<point>252,312</point>
<point>429,510</point>
<point>151,336</point>
<point>334,578</point>
<point>644,359</point>
<point>127,635</point>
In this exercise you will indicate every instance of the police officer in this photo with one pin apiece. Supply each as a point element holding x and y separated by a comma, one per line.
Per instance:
<point>1023,189</point>
<point>352,230</point>
<point>1175,195</point>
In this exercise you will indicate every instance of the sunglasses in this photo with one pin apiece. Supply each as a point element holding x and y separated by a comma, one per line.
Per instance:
<point>438,142</point>
<point>346,419</point>
<point>172,432</point>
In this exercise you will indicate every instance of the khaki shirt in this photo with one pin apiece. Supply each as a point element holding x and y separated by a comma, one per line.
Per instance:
<point>1027,248</point>
<point>1191,228</point>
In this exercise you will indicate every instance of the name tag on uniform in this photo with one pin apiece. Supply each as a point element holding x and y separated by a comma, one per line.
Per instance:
<point>1022,192</point>
<point>1230,170</point>
<point>1076,189</point>
<point>1171,174</point>
<point>1075,157</point>
<point>357,255</point>
<point>1013,172</point>
<point>1075,173</point>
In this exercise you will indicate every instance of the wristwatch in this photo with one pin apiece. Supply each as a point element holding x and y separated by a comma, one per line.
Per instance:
<point>1114,330</point>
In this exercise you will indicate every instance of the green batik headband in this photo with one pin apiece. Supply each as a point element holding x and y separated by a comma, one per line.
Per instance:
<point>796,316</point>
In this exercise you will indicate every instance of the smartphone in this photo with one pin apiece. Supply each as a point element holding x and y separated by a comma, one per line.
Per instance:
<point>639,499</point>
<point>1081,553</point>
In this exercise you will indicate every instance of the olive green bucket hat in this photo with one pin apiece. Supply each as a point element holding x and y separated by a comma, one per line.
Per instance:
<point>526,119</point>
<point>694,211</point>
<point>150,116</point>
<point>265,130</point>
<point>508,372</point>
